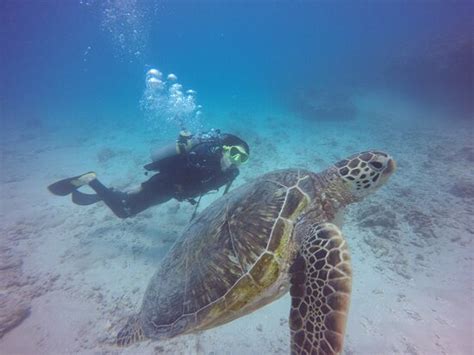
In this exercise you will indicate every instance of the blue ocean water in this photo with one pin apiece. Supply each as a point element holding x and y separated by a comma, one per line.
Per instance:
<point>306,83</point>
<point>91,56</point>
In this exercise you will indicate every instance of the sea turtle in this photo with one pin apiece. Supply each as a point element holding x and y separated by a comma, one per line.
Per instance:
<point>248,248</point>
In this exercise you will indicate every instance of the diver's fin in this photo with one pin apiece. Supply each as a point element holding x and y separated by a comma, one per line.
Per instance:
<point>66,186</point>
<point>82,199</point>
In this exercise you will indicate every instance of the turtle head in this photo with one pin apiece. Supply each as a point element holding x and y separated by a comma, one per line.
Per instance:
<point>365,172</point>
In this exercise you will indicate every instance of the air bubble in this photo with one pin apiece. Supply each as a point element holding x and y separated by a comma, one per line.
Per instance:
<point>154,73</point>
<point>166,101</point>
<point>154,83</point>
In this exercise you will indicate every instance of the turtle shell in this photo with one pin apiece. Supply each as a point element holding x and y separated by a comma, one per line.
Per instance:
<point>228,257</point>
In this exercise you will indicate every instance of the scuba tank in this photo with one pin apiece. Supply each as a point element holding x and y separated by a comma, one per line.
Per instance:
<point>183,145</point>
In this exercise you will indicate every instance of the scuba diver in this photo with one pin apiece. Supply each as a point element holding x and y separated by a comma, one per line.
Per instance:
<point>187,169</point>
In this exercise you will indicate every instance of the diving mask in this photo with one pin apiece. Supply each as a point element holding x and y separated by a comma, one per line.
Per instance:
<point>236,154</point>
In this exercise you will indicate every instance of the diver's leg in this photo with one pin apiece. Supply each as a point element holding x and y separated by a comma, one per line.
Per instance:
<point>114,199</point>
<point>83,199</point>
<point>152,192</point>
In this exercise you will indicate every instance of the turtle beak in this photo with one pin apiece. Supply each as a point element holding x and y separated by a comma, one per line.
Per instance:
<point>391,167</point>
<point>388,171</point>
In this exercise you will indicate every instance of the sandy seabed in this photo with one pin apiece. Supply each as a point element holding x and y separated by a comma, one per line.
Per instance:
<point>71,275</point>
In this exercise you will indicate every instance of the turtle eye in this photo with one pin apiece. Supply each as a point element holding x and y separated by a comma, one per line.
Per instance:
<point>376,165</point>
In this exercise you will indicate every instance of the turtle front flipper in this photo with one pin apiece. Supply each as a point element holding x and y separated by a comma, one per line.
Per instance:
<point>321,280</point>
<point>131,333</point>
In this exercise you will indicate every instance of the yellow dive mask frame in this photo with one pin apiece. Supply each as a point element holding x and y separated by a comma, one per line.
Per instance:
<point>237,155</point>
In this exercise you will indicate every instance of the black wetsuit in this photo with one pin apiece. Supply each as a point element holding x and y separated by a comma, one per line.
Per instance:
<point>181,176</point>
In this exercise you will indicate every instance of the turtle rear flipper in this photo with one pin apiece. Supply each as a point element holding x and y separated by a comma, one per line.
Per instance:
<point>321,280</point>
<point>131,333</point>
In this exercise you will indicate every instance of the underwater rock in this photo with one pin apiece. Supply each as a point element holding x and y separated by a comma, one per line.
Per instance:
<point>410,349</point>
<point>159,349</point>
<point>105,154</point>
<point>10,269</point>
<point>377,246</point>
<point>387,220</point>
<point>17,288</point>
<point>403,270</point>
<point>463,189</point>
<point>12,312</point>
<point>12,277</point>
<point>435,72</point>
<point>421,223</point>
<point>413,314</point>
<point>19,232</point>
<point>9,260</point>
<point>319,105</point>
<point>377,215</point>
